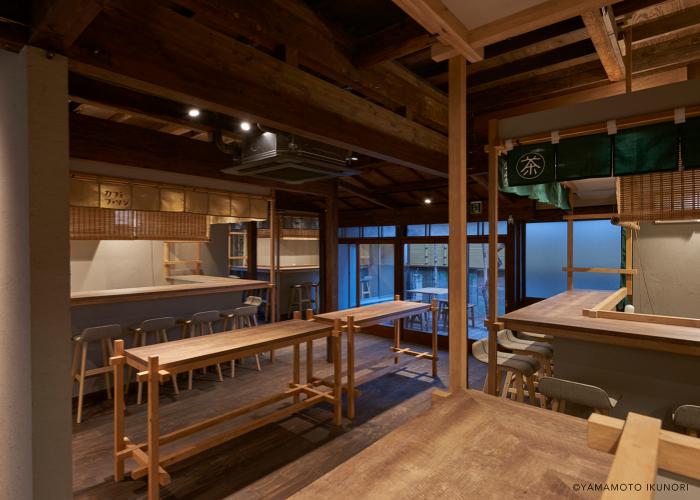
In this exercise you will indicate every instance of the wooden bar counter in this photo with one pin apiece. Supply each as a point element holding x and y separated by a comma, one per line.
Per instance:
<point>651,362</point>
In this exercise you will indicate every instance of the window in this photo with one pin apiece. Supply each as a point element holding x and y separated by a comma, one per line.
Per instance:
<point>597,243</point>
<point>367,232</point>
<point>347,276</point>
<point>376,273</point>
<point>473,229</point>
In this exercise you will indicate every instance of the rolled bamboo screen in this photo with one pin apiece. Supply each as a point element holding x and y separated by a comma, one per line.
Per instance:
<point>659,196</point>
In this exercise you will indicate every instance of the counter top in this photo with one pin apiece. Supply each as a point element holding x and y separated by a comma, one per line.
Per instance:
<point>562,316</point>
<point>198,285</point>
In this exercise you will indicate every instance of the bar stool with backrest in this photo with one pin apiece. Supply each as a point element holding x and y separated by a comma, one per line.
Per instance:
<point>201,323</point>
<point>562,391</point>
<point>159,328</point>
<point>299,298</point>
<point>244,317</point>
<point>540,350</point>
<point>518,368</point>
<point>105,336</point>
<point>688,416</point>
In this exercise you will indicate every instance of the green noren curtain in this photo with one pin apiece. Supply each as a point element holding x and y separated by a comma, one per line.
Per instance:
<point>531,164</point>
<point>690,143</point>
<point>651,148</point>
<point>552,192</point>
<point>584,157</point>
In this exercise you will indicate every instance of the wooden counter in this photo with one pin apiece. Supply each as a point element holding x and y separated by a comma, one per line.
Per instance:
<point>200,285</point>
<point>470,445</point>
<point>561,316</point>
<point>375,314</point>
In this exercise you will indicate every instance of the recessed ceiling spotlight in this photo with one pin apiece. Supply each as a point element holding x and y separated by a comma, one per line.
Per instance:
<point>193,112</point>
<point>427,200</point>
<point>354,158</point>
<point>245,126</point>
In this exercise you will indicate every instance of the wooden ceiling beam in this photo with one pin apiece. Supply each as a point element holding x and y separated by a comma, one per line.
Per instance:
<point>57,24</point>
<point>391,43</point>
<point>411,186</point>
<point>378,200</point>
<point>602,29</point>
<point>530,19</point>
<point>437,19</point>
<point>214,72</point>
<point>13,35</point>
<point>323,51</point>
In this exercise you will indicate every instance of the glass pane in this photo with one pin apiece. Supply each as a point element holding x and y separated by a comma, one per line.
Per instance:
<point>388,231</point>
<point>376,273</point>
<point>425,277</point>
<point>597,243</point>
<point>482,228</point>
<point>352,232</point>
<point>347,276</point>
<point>545,255</point>
<point>416,230</point>
<point>477,282</point>
<point>370,232</point>
<point>237,258</point>
<point>439,229</point>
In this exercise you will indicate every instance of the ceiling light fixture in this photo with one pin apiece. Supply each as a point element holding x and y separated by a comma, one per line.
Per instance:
<point>427,200</point>
<point>193,112</point>
<point>245,126</point>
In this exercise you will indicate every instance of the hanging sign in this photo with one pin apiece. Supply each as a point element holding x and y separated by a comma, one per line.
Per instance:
<point>531,164</point>
<point>115,196</point>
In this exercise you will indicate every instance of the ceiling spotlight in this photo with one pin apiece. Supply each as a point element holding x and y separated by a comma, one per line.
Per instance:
<point>354,158</point>
<point>193,112</point>
<point>427,200</point>
<point>245,126</point>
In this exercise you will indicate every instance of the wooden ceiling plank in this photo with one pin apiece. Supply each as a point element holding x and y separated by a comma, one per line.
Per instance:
<point>391,43</point>
<point>57,24</point>
<point>378,200</point>
<point>437,19</point>
<point>602,30</point>
<point>214,72</point>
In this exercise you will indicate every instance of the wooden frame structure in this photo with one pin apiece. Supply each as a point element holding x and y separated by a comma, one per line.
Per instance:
<point>169,262</point>
<point>158,362</point>
<point>353,320</point>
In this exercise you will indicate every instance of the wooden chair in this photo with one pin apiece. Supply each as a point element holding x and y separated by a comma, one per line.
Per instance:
<point>201,323</point>
<point>543,352</point>
<point>242,317</point>
<point>560,391</point>
<point>519,369</point>
<point>104,335</point>
<point>688,416</point>
<point>159,328</point>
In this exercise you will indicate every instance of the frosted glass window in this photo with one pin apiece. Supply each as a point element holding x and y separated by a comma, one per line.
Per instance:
<point>482,228</point>
<point>545,255</point>
<point>596,244</point>
<point>416,230</point>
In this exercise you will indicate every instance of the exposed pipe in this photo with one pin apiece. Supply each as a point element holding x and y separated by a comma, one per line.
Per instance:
<point>229,149</point>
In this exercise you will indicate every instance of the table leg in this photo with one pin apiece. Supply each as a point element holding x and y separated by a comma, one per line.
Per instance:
<point>296,376</point>
<point>397,338</point>
<point>351,366</point>
<point>434,309</point>
<point>309,361</point>
<point>118,363</point>
<point>153,428</point>
<point>337,375</point>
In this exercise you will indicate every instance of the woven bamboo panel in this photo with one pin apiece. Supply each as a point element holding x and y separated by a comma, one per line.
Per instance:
<point>87,223</point>
<point>659,196</point>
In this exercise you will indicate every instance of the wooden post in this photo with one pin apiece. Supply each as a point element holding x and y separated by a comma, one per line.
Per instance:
<point>329,263</point>
<point>628,263</point>
<point>569,253</point>
<point>351,366</point>
<point>296,377</point>
<point>118,364</point>
<point>251,250</point>
<point>493,257</point>
<point>628,60</point>
<point>274,290</point>
<point>309,351</point>
<point>153,428</point>
<point>397,334</point>
<point>337,374</point>
<point>458,223</point>
<point>434,315</point>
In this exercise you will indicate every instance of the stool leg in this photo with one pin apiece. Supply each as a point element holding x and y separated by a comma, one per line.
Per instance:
<point>218,365</point>
<point>81,382</point>
<point>506,384</point>
<point>139,393</point>
<point>74,363</point>
<point>105,362</point>
<point>531,391</point>
<point>519,392</point>
<point>555,405</point>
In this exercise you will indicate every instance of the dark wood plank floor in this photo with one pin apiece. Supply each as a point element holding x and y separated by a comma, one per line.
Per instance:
<point>274,461</point>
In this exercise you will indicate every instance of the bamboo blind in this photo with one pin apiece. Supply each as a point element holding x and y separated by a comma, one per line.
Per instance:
<point>89,223</point>
<point>659,196</point>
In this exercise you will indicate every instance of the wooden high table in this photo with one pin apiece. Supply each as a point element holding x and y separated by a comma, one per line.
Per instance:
<point>374,314</point>
<point>157,362</point>
<point>470,445</point>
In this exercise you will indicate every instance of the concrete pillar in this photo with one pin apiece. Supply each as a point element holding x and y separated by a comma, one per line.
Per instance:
<point>35,412</point>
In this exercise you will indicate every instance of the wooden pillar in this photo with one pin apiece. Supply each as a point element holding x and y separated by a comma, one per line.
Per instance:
<point>275,290</point>
<point>252,250</point>
<point>570,253</point>
<point>329,261</point>
<point>458,223</point>
<point>493,256</point>
<point>628,264</point>
<point>628,60</point>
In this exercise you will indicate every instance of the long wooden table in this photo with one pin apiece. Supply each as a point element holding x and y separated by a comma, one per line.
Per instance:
<point>157,362</point>
<point>470,445</point>
<point>364,316</point>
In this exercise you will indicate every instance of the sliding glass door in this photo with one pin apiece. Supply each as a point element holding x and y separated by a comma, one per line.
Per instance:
<point>365,274</point>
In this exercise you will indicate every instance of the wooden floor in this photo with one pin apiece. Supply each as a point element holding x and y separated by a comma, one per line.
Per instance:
<point>274,461</point>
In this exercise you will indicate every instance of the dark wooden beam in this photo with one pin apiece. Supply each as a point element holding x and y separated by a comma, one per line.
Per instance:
<point>411,186</point>
<point>118,143</point>
<point>391,43</point>
<point>57,24</point>
<point>13,35</point>
<point>140,46</point>
<point>376,199</point>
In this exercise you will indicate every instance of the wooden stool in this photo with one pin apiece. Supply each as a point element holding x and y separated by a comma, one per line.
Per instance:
<point>312,290</point>
<point>260,300</point>
<point>241,317</point>
<point>201,323</point>
<point>444,312</point>
<point>590,396</point>
<point>159,327</point>
<point>519,369</point>
<point>365,290</point>
<point>104,335</point>
<point>299,297</point>
<point>542,351</point>
<point>688,416</point>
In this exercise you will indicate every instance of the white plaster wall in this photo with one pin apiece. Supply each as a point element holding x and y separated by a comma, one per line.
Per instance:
<point>292,252</point>
<point>15,345</point>
<point>668,259</point>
